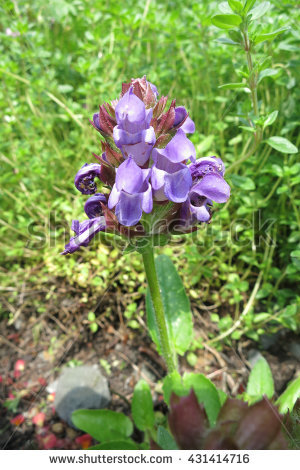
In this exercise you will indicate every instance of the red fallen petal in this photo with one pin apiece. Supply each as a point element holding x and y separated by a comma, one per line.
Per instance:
<point>19,365</point>
<point>39,419</point>
<point>11,396</point>
<point>47,442</point>
<point>42,381</point>
<point>1,379</point>
<point>17,420</point>
<point>84,441</point>
<point>17,374</point>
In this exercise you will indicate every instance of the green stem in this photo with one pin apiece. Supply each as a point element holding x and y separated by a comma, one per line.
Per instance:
<point>169,356</point>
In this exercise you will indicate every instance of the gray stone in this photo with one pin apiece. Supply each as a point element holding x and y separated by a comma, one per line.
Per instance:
<point>294,349</point>
<point>80,387</point>
<point>253,357</point>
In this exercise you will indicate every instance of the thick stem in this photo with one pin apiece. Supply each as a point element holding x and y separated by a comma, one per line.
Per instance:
<point>169,356</point>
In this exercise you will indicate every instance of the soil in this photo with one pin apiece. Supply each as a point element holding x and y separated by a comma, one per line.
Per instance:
<point>60,335</point>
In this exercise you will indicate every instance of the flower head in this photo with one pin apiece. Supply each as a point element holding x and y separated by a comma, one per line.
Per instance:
<point>148,165</point>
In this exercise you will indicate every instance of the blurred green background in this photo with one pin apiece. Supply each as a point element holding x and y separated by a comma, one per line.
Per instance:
<point>59,60</point>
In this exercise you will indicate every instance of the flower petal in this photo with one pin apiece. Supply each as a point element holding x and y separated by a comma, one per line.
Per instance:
<point>179,149</point>
<point>188,126</point>
<point>113,197</point>
<point>84,179</point>
<point>130,177</point>
<point>178,185</point>
<point>129,209</point>
<point>93,207</point>
<point>147,200</point>
<point>131,113</point>
<point>140,151</point>
<point>214,187</point>
<point>201,213</point>
<point>87,230</point>
<point>206,165</point>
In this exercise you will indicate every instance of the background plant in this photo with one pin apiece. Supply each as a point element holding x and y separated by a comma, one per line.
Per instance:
<point>65,57</point>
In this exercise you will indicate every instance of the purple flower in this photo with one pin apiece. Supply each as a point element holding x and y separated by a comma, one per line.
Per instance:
<point>181,116</point>
<point>208,185</point>
<point>170,180</point>
<point>131,193</point>
<point>93,207</point>
<point>170,177</point>
<point>84,179</point>
<point>84,232</point>
<point>133,134</point>
<point>131,113</point>
<point>179,149</point>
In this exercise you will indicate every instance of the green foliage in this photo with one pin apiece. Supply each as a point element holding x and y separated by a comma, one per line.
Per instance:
<point>282,144</point>
<point>176,306</point>
<point>260,382</point>
<point>204,389</point>
<point>71,56</point>
<point>165,440</point>
<point>116,445</point>
<point>289,397</point>
<point>103,425</point>
<point>142,406</point>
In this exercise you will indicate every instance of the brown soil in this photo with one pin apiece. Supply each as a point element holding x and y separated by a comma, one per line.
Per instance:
<point>50,340</point>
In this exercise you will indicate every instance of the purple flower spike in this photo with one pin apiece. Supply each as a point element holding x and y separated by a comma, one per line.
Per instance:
<point>131,194</point>
<point>179,149</point>
<point>93,207</point>
<point>84,179</point>
<point>84,233</point>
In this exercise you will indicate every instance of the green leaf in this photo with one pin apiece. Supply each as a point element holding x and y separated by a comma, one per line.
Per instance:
<point>287,400</point>
<point>270,118</point>
<point>267,73</point>
<point>259,317</point>
<point>243,182</point>
<point>116,445</point>
<point>222,396</point>
<point>248,129</point>
<point>172,383</point>
<point>260,381</point>
<point>248,5</point>
<point>269,36</point>
<point>206,393</point>
<point>165,440</point>
<point>260,10</point>
<point>233,86</point>
<point>281,144</point>
<point>103,425</point>
<point>142,406</point>
<point>226,21</point>
<point>204,389</point>
<point>227,41</point>
<point>235,5</point>
<point>176,306</point>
